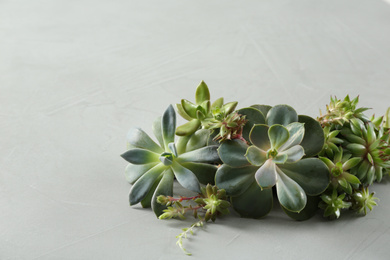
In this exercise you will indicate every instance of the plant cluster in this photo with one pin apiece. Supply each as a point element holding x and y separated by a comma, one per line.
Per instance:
<point>248,158</point>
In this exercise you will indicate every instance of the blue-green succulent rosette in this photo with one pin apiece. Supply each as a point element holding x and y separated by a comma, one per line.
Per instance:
<point>153,167</point>
<point>279,154</point>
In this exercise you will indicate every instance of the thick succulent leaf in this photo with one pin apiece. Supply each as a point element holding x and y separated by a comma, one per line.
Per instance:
<point>229,107</point>
<point>255,156</point>
<point>259,137</point>
<point>188,128</point>
<point>185,177</point>
<point>198,140</point>
<point>168,126</point>
<point>202,93</point>
<point>291,196</point>
<point>235,180</point>
<point>308,211</point>
<point>204,172</point>
<point>165,187</point>
<point>313,141</point>
<point>206,154</point>
<point>189,107</point>
<point>142,186</point>
<point>254,116</point>
<point>146,202</point>
<point>263,109</point>
<point>134,171</point>
<point>296,131</point>
<point>311,174</point>
<point>137,138</point>
<point>140,156</point>
<point>254,202</point>
<point>217,103</point>
<point>280,159</point>
<point>294,153</point>
<point>387,119</point>
<point>182,112</point>
<point>281,114</point>
<point>278,135</point>
<point>266,175</point>
<point>232,153</point>
<point>157,131</point>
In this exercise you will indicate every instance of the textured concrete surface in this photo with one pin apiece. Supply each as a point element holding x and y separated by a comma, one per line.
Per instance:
<point>76,75</point>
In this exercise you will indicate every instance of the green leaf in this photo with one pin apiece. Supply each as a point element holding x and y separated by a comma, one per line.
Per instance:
<point>202,93</point>
<point>229,107</point>
<point>266,175</point>
<point>198,140</point>
<point>351,163</point>
<point>291,196</point>
<point>253,116</point>
<point>371,136</point>
<point>254,202</point>
<point>255,156</point>
<point>206,154</point>
<point>357,149</point>
<point>296,131</point>
<point>314,139</point>
<point>165,187</point>
<point>259,137</point>
<point>157,130</point>
<point>293,154</point>
<point>235,180</point>
<point>328,162</point>
<point>185,177</point>
<point>310,173</point>
<point>278,135</point>
<point>204,172</point>
<point>188,128</point>
<point>387,119</point>
<point>140,156</point>
<point>308,211</point>
<point>182,112</point>
<point>217,103</point>
<point>146,202</point>
<point>263,109</point>
<point>281,114</point>
<point>168,126</point>
<point>189,107</point>
<point>232,153</point>
<point>351,178</point>
<point>142,186</point>
<point>139,139</point>
<point>134,171</point>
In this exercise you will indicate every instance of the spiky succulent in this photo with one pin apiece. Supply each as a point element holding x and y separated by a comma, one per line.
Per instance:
<point>333,203</point>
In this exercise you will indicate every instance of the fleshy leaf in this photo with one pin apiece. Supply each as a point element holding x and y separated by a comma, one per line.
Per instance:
<point>294,153</point>
<point>206,154</point>
<point>189,108</point>
<point>140,156</point>
<point>281,114</point>
<point>182,112</point>
<point>217,103</point>
<point>185,177</point>
<point>263,109</point>
<point>266,175</point>
<point>311,174</point>
<point>235,180</point>
<point>157,130</point>
<point>254,202</point>
<point>188,128</point>
<point>229,107</point>
<point>139,139</point>
<point>204,172</point>
<point>134,171</point>
<point>313,141</point>
<point>232,153</point>
<point>259,137</point>
<point>291,196</point>
<point>168,126</point>
<point>308,211</point>
<point>278,135</point>
<point>146,202</point>
<point>142,186</point>
<point>280,158</point>
<point>255,156</point>
<point>254,116</point>
<point>296,131</point>
<point>198,140</point>
<point>165,187</point>
<point>202,93</point>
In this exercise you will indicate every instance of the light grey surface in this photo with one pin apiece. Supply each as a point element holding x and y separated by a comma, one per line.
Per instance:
<point>76,75</point>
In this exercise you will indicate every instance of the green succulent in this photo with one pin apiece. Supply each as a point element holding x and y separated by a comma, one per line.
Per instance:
<point>333,203</point>
<point>331,142</point>
<point>202,113</point>
<point>273,159</point>
<point>153,166</point>
<point>363,200</point>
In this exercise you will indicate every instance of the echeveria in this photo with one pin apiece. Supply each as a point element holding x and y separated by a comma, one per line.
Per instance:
<point>274,159</point>
<point>153,166</point>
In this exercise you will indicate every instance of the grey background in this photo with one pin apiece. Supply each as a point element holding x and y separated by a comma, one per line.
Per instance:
<point>76,75</point>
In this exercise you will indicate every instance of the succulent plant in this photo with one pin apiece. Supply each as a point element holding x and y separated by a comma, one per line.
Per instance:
<point>206,115</point>
<point>333,203</point>
<point>363,200</point>
<point>273,159</point>
<point>153,166</point>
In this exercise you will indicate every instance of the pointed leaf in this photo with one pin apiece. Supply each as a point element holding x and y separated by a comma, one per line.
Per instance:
<point>328,162</point>
<point>232,153</point>
<point>182,112</point>
<point>204,172</point>
<point>165,187</point>
<point>217,103</point>
<point>168,126</point>
<point>188,128</point>
<point>351,178</point>
<point>189,107</point>
<point>253,116</point>
<point>310,173</point>
<point>294,153</point>
<point>259,137</point>
<point>206,154</point>
<point>198,140</point>
<point>146,202</point>
<point>235,180</point>
<point>139,139</point>
<point>134,171</point>
<point>296,131</point>
<point>278,135</point>
<point>281,114</point>
<point>314,139</point>
<point>254,202</point>
<point>291,196</point>
<point>157,131</point>
<point>140,156</point>
<point>202,93</point>
<point>185,177</point>
<point>351,163</point>
<point>229,107</point>
<point>266,175</point>
<point>142,186</point>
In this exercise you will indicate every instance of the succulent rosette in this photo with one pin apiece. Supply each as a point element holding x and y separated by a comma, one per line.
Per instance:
<point>153,167</point>
<point>281,144</point>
